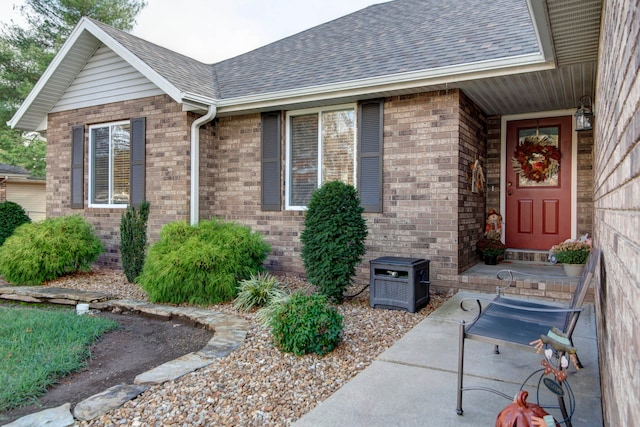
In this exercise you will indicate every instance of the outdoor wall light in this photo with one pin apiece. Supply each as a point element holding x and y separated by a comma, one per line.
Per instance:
<point>584,115</point>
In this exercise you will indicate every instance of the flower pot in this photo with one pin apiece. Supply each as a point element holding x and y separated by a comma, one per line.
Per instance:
<point>573,269</point>
<point>491,260</point>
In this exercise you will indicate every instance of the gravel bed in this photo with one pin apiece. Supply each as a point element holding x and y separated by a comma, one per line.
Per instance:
<point>256,385</point>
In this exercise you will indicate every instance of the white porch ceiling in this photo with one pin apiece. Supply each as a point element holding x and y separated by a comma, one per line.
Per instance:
<point>575,30</point>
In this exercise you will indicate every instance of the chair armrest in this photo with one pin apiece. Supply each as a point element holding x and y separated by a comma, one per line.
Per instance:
<point>496,301</point>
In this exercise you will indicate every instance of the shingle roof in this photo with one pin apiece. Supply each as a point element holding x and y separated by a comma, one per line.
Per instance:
<point>384,39</point>
<point>187,74</point>
<point>6,169</point>
<point>422,38</point>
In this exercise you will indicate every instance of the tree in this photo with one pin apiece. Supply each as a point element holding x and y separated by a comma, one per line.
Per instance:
<point>26,52</point>
<point>333,238</point>
<point>25,150</point>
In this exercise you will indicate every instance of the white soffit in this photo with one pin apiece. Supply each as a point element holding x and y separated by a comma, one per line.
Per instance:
<point>575,26</point>
<point>531,92</point>
<point>55,80</point>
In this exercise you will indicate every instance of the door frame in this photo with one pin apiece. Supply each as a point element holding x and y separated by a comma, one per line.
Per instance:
<point>574,163</point>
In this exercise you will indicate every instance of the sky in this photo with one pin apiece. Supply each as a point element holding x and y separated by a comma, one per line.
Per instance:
<point>213,30</point>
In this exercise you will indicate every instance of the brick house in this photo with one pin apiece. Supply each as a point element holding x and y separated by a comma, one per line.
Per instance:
<point>399,99</point>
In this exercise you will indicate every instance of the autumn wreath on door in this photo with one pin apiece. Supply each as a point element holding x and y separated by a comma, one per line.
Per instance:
<point>536,158</point>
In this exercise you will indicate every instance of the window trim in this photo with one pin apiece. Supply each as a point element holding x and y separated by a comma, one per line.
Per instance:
<point>317,110</point>
<point>91,167</point>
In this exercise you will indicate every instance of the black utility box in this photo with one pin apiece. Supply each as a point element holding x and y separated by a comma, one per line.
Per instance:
<point>399,283</point>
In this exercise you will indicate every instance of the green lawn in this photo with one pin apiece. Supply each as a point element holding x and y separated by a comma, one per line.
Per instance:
<point>38,346</point>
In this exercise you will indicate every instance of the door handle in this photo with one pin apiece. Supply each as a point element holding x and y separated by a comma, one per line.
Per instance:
<point>509,193</point>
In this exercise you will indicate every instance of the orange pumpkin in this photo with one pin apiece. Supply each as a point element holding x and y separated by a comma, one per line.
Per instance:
<point>522,414</point>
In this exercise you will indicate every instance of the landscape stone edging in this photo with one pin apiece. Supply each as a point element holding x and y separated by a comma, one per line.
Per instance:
<point>229,333</point>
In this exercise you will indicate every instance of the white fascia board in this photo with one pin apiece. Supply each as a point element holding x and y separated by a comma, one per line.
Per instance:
<point>542,27</point>
<point>86,25</point>
<point>51,69</point>
<point>394,82</point>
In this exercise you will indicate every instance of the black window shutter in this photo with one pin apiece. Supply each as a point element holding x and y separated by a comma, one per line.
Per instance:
<point>270,157</point>
<point>137,165</point>
<point>370,132</point>
<point>77,167</point>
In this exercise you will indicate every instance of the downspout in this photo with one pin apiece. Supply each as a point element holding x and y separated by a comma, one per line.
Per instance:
<point>195,162</point>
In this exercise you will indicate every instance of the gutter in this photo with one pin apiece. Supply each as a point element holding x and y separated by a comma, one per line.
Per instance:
<point>389,83</point>
<point>195,161</point>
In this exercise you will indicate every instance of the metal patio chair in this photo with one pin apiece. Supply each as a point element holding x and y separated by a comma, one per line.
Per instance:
<point>515,323</point>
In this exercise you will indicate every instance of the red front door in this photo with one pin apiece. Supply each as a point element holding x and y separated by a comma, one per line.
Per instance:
<point>538,206</point>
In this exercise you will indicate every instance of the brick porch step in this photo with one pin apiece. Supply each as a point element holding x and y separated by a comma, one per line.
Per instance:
<point>540,280</point>
<point>527,255</point>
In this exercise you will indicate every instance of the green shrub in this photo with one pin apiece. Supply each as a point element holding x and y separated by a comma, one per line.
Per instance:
<point>12,215</point>
<point>257,291</point>
<point>201,264</point>
<point>133,240</point>
<point>266,313</point>
<point>49,249</point>
<point>306,324</point>
<point>333,238</point>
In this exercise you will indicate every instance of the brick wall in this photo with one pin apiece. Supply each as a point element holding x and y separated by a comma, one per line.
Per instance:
<point>230,189</point>
<point>617,210</point>
<point>584,202</point>
<point>494,154</point>
<point>167,179</point>
<point>422,173</point>
<point>471,207</point>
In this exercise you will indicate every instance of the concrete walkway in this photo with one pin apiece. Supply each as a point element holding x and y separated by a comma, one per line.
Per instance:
<point>413,383</point>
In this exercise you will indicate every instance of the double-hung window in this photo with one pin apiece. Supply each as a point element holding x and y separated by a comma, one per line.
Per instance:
<point>109,164</point>
<point>321,147</point>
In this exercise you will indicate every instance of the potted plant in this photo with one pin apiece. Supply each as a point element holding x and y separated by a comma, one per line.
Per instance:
<point>572,254</point>
<point>491,249</point>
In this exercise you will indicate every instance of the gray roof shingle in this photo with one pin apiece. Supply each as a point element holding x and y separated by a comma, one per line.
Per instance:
<point>384,39</point>
<point>186,74</point>
<point>6,169</point>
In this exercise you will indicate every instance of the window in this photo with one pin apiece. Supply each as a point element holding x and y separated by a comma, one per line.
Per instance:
<point>109,164</point>
<point>320,148</point>
<point>326,137</point>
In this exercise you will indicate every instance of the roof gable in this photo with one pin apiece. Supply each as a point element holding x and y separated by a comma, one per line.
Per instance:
<point>105,78</point>
<point>152,61</point>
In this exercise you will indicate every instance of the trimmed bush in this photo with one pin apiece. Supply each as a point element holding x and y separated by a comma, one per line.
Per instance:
<point>266,313</point>
<point>12,215</point>
<point>133,240</point>
<point>49,249</point>
<point>201,264</point>
<point>258,291</point>
<point>306,324</point>
<point>333,238</point>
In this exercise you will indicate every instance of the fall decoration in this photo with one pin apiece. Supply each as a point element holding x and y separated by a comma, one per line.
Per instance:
<point>522,414</point>
<point>536,159</point>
